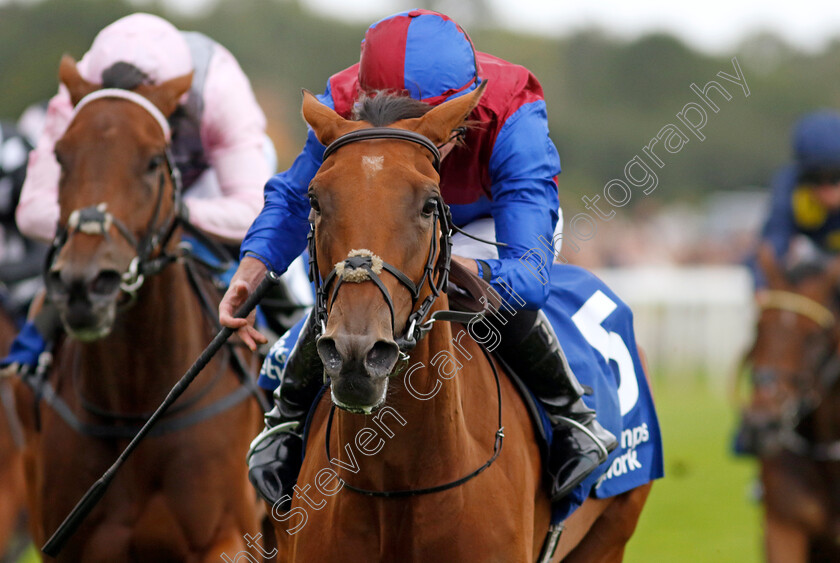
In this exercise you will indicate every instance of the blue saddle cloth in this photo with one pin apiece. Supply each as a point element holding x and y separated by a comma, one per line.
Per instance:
<point>595,329</point>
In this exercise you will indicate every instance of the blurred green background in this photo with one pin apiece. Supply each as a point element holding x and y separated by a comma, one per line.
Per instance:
<point>606,97</point>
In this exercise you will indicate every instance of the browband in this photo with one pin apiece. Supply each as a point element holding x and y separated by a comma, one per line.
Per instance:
<point>125,95</point>
<point>385,133</point>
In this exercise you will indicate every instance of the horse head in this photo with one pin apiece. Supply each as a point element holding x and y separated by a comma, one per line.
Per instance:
<point>377,237</point>
<point>795,354</point>
<point>118,201</point>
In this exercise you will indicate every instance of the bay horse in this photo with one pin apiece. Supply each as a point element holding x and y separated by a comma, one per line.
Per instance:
<point>12,485</point>
<point>138,311</point>
<point>420,453</point>
<point>795,408</point>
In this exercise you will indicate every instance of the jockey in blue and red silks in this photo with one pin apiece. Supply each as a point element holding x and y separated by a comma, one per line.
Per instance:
<point>500,182</point>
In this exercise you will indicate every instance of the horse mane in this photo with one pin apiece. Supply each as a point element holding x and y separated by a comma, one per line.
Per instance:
<point>381,108</point>
<point>124,75</point>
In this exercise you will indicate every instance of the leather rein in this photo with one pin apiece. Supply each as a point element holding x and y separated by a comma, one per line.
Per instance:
<point>828,371</point>
<point>150,258</point>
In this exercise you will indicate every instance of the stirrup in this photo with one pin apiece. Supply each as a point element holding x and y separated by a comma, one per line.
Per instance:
<point>603,448</point>
<point>284,427</point>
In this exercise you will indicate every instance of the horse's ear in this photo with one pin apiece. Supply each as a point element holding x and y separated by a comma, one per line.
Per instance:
<point>439,122</point>
<point>770,266</point>
<point>166,95</point>
<point>69,75</point>
<point>326,123</point>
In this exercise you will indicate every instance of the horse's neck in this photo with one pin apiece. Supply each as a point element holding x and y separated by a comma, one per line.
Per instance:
<point>428,436</point>
<point>151,345</point>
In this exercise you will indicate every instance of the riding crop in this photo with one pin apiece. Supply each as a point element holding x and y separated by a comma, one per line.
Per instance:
<point>97,490</point>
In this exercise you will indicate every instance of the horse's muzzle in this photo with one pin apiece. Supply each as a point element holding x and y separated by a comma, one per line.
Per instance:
<point>359,368</point>
<point>86,303</point>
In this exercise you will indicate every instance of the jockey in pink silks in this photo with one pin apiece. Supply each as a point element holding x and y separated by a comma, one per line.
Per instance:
<point>218,144</point>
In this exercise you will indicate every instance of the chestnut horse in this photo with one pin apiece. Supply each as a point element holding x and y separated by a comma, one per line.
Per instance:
<point>12,485</point>
<point>795,409</point>
<point>134,312</point>
<point>427,477</point>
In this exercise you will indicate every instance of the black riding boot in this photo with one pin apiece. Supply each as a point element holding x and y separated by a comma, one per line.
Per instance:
<point>277,452</point>
<point>580,443</point>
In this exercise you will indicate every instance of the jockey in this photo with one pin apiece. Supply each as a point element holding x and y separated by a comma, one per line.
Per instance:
<point>501,182</point>
<point>805,202</point>
<point>219,143</point>
<point>806,194</point>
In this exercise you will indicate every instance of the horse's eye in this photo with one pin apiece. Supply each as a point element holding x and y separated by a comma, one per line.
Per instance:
<point>313,202</point>
<point>154,163</point>
<point>430,206</point>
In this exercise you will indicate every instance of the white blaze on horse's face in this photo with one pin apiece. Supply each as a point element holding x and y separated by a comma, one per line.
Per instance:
<point>372,165</point>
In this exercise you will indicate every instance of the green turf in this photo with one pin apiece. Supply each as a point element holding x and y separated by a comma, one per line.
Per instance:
<point>31,556</point>
<point>701,511</point>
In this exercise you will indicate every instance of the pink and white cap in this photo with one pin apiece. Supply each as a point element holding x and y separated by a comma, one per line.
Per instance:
<point>148,42</point>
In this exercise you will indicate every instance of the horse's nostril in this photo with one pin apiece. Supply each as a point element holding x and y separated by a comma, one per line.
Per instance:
<point>329,355</point>
<point>381,358</point>
<point>55,284</point>
<point>106,282</point>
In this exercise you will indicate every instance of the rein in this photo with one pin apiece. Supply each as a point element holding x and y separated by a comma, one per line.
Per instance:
<point>362,265</point>
<point>97,221</point>
<point>828,371</point>
<point>497,449</point>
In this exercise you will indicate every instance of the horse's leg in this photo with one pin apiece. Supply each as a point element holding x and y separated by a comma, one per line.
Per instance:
<point>578,525</point>
<point>13,487</point>
<point>784,541</point>
<point>606,537</point>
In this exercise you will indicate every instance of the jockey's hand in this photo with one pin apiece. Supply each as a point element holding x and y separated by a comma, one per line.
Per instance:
<point>246,279</point>
<point>468,263</point>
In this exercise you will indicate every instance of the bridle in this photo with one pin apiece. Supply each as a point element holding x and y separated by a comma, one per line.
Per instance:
<point>362,265</point>
<point>827,370</point>
<point>150,256</point>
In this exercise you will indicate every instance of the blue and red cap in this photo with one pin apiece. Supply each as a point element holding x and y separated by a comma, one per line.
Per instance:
<point>420,52</point>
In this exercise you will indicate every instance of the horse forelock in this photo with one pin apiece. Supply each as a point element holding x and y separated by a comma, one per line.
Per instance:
<point>382,108</point>
<point>124,75</point>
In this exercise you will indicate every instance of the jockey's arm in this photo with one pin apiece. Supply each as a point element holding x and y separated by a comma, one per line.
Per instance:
<point>233,136</point>
<point>779,227</point>
<point>37,210</point>
<point>277,236</point>
<point>525,206</point>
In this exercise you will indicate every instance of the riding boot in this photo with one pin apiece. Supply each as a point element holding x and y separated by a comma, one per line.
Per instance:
<point>31,341</point>
<point>579,442</point>
<point>276,454</point>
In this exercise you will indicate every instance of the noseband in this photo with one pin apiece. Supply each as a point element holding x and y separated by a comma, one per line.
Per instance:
<point>96,220</point>
<point>362,265</point>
